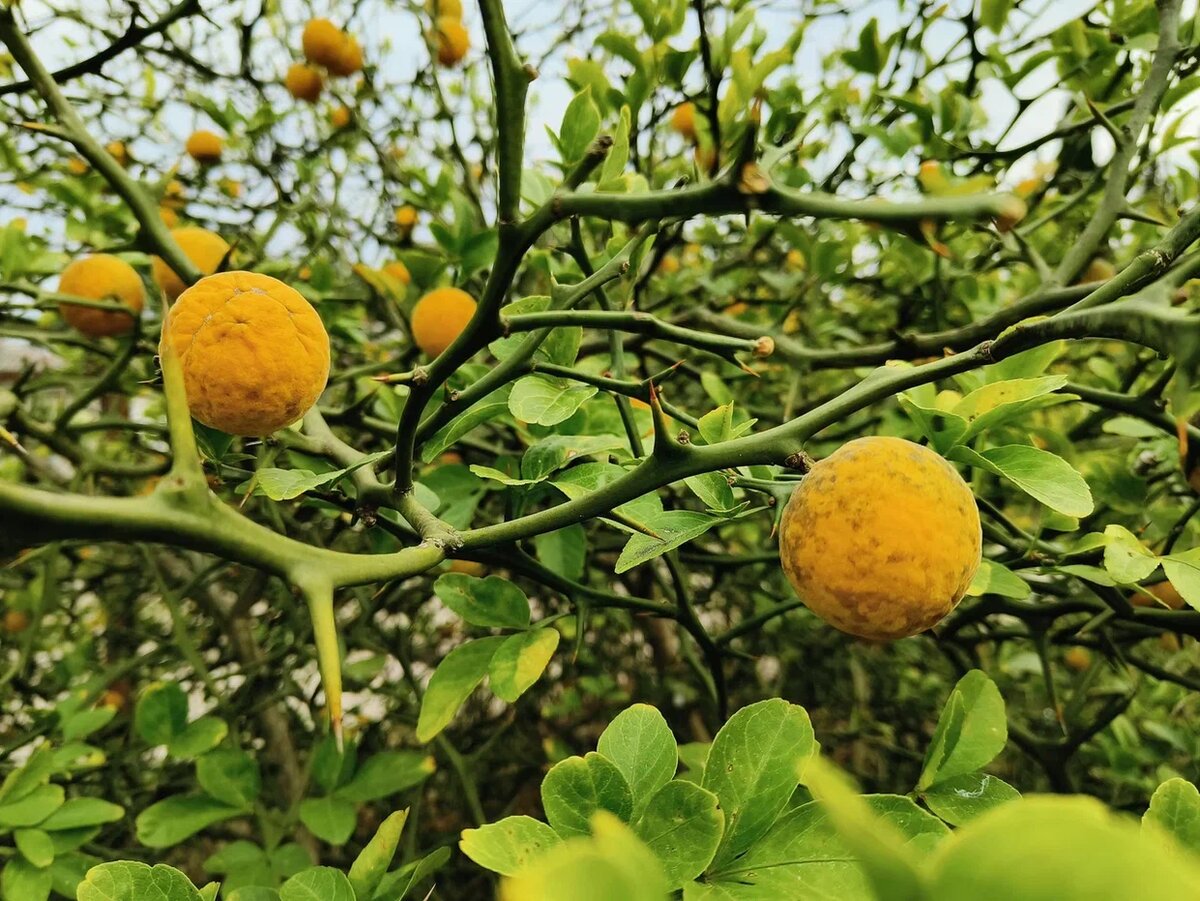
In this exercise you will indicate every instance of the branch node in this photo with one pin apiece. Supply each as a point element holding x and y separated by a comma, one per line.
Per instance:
<point>799,461</point>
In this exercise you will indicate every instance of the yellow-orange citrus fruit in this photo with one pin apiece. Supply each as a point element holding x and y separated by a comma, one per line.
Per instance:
<point>439,317</point>
<point>881,539</point>
<point>173,194</point>
<point>254,353</point>
<point>1078,659</point>
<point>303,82</point>
<point>204,146</point>
<point>683,120</point>
<point>795,259</point>
<point>340,117</point>
<point>453,41</point>
<point>406,218</point>
<point>118,151</point>
<point>204,248</point>
<point>230,187</point>
<point>669,264</point>
<point>1165,592</point>
<point>1027,187</point>
<point>467,567</point>
<point>349,57</point>
<point>449,8</point>
<point>77,166</point>
<point>170,218</point>
<point>321,41</point>
<point>931,177</point>
<point>101,277</point>
<point>15,621</point>
<point>1098,270</point>
<point>399,272</point>
<point>20,223</point>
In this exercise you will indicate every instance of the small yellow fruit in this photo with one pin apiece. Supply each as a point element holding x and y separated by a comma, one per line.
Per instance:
<point>444,8</point>
<point>173,194</point>
<point>453,41</point>
<point>795,259</point>
<point>204,146</point>
<point>321,41</point>
<point>204,248</point>
<point>1027,187</point>
<point>254,352</point>
<point>77,166</point>
<point>349,58</point>
<point>304,82</point>
<point>468,568</point>
<point>439,317</point>
<point>15,621</point>
<point>1078,659</point>
<point>230,187</point>
<point>118,151</point>
<point>669,264</point>
<point>399,272</point>
<point>101,277</point>
<point>1098,270</point>
<point>881,539</point>
<point>340,117</point>
<point>406,218</point>
<point>170,218</point>
<point>683,120</point>
<point>1165,592</point>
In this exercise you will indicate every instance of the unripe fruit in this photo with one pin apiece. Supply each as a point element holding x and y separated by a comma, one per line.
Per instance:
<point>439,317</point>
<point>453,41</point>
<point>204,146</point>
<point>254,353</point>
<point>304,82</point>
<point>881,539</point>
<point>204,248</point>
<point>101,277</point>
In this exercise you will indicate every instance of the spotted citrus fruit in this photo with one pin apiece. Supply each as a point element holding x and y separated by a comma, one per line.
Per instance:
<point>881,539</point>
<point>254,353</point>
<point>101,277</point>
<point>204,248</point>
<point>439,317</point>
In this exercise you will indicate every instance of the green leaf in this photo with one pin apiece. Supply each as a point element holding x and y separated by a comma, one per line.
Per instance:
<point>542,400</point>
<point>330,818</point>
<point>127,880</point>
<point>230,776</point>
<point>84,723</point>
<point>551,454</point>
<point>1126,559</point>
<point>452,683</point>
<point>672,528</point>
<point>77,813</point>
<point>22,881</point>
<point>161,713</point>
<point>961,799</point>
<point>1044,476</point>
<point>971,731</point>
<point>520,661</point>
<point>999,402</point>
<point>385,774</point>
<point>33,808</point>
<point>198,737</point>
<point>1183,571</point>
<point>610,864</point>
<point>509,845</point>
<point>714,490</point>
<point>580,125</point>
<point>69,870</point>
<point>1058,848</point>
<point>992,14</point>
<point>1175,810</point>
<point>491,602</point>
<point>754,765</point>
<point>36,846</point>
<point>577,787</point>
<point>563,551</point>
<point>995,578</point>
<point>397,884</point>
<point>372,863</point>
<point>318,884</point>
<point>173,819</point>
<point>639,742</point>
<point>495,404</point>
<point>682,825</point>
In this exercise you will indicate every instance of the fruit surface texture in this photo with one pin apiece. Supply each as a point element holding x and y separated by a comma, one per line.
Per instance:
<point>439,317</point>
<point>881,539</point>
<point>254,353</point>
<point>204,248</point>
<point>101,277</point>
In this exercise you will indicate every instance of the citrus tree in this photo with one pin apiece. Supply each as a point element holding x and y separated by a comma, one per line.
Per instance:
<point>718,383</point>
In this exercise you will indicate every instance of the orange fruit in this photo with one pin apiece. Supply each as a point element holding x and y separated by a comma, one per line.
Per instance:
<point>881,539</point>
<point>448,8</point>
<point>439,317</point>
<point>170,218</point>
<point>77,166</point>
<point>683,120</point>
<point>349,57</point>
<point>15,621</point>
<point>254,352</point>
<point>467,567</point>
<point>204,248</point>
<point>1098,270</point>
<point>118,151</point>
<point>304,82</point>
<point>204,146</point>
<point>1078,659</point>
<point>101,277</point>
<point>340,117</point>
<point>453,41</point>
<point>406,218</point>
<point>399,272</point>
<point>1166,593</point>
<point>321,41</point>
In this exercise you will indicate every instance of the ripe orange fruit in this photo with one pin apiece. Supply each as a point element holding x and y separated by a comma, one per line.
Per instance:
<point>1078,659</point>
<point>204,146</point>
<point>77,166</point>
<point>101,277</point>
<point>669,264</point>
<point>439,317</point>
<point>453,41</point>
<point>406,218</point>
<point>349,57</point>
<point>399,272</point>
<point>118,151</point>
<point>170,218</point>
<point>254,353</point>
<point>304,82</point>
<point>321,41</point>
<point>230,187</point>
<point>15,621</point>
<point>683,120</point>
<point>467,567</point>
<point>448,8</point>
<point>795,259</point>
<point>340,117</point>
<point>881,539</point>
<point>1164,591</point>
<point>204,248</point>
